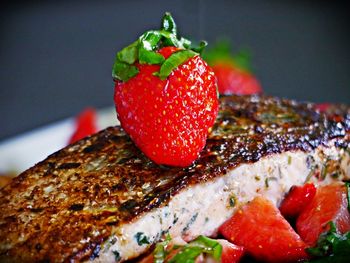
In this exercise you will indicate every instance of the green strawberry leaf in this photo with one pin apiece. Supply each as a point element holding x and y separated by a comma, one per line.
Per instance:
<point>175,60</point>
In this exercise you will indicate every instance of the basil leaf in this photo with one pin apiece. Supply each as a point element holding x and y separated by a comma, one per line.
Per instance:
<point>209,246</point>
<point>168,23</point>
<point>141,238</point>
<point>185,43</point>
<point>150,57</point>
<point>172,62</point>
<point>201,47</point>
<point>187,255</point>
<point>148,42</point>
<point>160,252</point>
<point>123,71</point>
<point>331,246</point>
<point>150,39</point>
<point>129,54</point>
<point>198,246</point>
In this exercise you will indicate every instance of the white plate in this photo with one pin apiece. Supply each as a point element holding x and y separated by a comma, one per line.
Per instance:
<point>21,152</point>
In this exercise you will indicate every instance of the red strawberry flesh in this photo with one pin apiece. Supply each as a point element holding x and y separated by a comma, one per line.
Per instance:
<point>169,119</point>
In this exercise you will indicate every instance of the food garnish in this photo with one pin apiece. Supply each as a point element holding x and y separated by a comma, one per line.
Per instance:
<point>85,125</point>
<point>297,199</point>
<point>233,71</point>
<point>265,234</point>
<point>165,95</point>
<point>329,204</point>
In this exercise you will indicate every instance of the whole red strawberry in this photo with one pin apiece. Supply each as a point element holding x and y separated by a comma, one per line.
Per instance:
<point>165,96</point>
<point>233,72</point>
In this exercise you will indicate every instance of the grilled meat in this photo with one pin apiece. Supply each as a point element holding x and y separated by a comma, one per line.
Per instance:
<point>101,199</point>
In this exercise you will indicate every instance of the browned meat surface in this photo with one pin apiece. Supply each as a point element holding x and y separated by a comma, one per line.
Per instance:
<point>82,191</point>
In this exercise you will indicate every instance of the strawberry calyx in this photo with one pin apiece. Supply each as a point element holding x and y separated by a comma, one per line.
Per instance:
<point>144,51</point>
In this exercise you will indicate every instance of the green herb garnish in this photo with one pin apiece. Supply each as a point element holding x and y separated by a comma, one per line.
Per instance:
<point>141,238</point>
<point>331,246</point>
<point>144,50</point>
<point>160,252</point>
<point>175,60</point>
<point>192,250</point>
<point>116,255</point>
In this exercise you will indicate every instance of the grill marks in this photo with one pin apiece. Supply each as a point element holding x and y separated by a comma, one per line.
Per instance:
<point>64,208</point>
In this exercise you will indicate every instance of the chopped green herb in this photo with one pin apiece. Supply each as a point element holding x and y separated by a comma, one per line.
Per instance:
<point>331,246</point>
<point>192,220</point>
<point>232,201</point>
<point>123,71</point>
<point>289,160</point>
<point>168,23</point>
<point>267,184</point>
<point>116,255</point>
<point>201,244</point>
<point>141,238</point>
<point>175,60</point>
<point>257,178</point>
<point>145,51</point>
<point>268,179</point>
<point>160,252</point>
<point>129,54</point>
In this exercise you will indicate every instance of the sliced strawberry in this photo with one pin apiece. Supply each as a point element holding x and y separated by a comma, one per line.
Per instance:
<point>329,204</point>
<point>231,253</point>
<point>85,124</point>
<point>261,229</point>
<point>296,200</point>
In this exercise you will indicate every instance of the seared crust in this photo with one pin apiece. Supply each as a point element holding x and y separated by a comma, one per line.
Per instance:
<point>66,206</point>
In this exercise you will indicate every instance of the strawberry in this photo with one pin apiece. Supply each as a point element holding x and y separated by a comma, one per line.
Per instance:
<point>233,72</point>
<point>323,107</point>
<point>230,252</point>
<point>85,125</point>
<point>165,96</point>
<point>297,199</point>
<point>264,233</point>
<point>330,204</point>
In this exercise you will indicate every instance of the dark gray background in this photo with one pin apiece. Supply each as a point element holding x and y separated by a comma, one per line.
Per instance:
<point>56,56</point>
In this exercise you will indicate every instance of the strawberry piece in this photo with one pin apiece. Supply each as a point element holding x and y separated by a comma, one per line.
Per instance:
<point>85,125</point>
<point>232,71</point>
<point>169,119</point>
<point>261,229</point>
<point>233,80</point>
<point>231,253</point>
<point>296,200</point>
<point>329,204</point>
<point>322,107</point>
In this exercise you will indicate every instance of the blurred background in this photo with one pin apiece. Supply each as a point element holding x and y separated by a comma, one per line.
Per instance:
<point>56,56</point>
